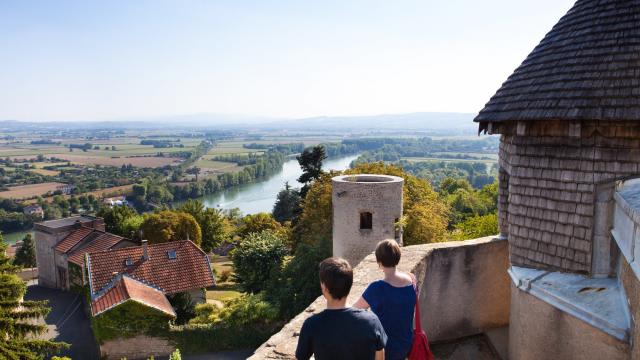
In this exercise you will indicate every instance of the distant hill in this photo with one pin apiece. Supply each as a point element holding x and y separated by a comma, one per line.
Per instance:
<point>421,121</point>
<point>411,121</point>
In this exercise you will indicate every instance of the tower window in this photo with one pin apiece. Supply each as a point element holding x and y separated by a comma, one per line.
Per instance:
<point>366,220</point>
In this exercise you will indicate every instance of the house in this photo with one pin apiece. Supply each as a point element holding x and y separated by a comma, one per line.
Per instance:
<point>61,246</point>
<point>34,210</point>
<point>66,189</point>
<point>171,267</point>
<point>115,201</point>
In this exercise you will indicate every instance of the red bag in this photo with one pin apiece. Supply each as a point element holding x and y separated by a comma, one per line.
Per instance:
<point>420,347</point>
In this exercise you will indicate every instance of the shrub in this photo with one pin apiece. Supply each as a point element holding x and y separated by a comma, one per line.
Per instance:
<point>255,259</point>
<point>224,276</point>
<point>244,322</point>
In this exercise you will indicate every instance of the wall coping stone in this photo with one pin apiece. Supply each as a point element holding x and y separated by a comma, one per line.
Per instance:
<point>600,302</point>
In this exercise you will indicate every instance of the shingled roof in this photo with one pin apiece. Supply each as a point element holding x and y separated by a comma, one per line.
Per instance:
<point>102,241</point>
<point>124,288</point>
<point>189,269</point>
<point>586,68</point>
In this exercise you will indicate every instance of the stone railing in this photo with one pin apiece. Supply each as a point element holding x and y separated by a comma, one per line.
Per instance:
<point>464,290</point>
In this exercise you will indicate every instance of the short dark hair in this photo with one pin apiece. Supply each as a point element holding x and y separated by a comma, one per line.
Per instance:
<point>337,276</point>
<point>388,253</point>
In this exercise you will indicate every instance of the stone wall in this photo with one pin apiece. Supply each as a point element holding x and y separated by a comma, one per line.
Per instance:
<point>538,330</point>
<point>631,287</point>
<point>45,256</point>
<point>139,347</point>
<point>464,290</point>
<point>380,195</point>
<point>554,170</point>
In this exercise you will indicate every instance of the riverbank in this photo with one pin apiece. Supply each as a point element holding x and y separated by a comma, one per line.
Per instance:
<point>261,196</point>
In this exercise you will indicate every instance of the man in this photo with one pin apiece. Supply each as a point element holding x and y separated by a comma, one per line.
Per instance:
<point>340,332</point>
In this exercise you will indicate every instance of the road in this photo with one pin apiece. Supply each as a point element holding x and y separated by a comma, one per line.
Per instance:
<point>67,321</point>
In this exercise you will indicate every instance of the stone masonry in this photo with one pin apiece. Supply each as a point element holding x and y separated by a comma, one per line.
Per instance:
<point>357,199</point>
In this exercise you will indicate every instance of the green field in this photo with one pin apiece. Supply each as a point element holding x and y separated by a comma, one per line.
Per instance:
<point>205,163</point>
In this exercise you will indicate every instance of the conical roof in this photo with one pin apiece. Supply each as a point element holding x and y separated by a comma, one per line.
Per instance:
<point>586,68</point>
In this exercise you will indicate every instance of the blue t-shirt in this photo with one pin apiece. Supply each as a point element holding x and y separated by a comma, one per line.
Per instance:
<point>394,307</point>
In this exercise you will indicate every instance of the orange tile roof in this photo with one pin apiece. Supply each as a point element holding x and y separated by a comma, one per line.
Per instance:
<point>124,288</point>
<point>189,270</point>
<point>73,239</point>
<point>104,241</point>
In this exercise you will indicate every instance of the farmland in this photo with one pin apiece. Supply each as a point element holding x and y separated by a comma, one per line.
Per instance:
<point>137,161</point>
<point>28,191</point>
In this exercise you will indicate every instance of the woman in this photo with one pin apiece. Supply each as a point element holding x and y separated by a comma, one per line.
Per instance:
<point>393,300</point>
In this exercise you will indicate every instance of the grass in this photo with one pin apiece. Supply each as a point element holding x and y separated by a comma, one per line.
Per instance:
<point>222,295</point>
<point>227,290</point>
<point>45,172</point>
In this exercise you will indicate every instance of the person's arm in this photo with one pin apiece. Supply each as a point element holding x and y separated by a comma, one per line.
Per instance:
<point>304,349</point>
<point>380,354</point>
<point>361,303</point>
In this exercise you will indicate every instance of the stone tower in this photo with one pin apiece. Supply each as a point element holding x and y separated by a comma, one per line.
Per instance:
<point>366,209</point>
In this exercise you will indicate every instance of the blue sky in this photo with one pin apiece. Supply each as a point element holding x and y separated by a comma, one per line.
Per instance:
<point>93,60</point>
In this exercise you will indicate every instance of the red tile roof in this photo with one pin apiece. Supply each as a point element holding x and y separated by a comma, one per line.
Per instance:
<point>104,241</point>
<point>73,239</point>
<point>125,288</point>
<point>189,270</point>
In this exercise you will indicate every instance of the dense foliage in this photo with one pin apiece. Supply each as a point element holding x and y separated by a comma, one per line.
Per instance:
<point>26,254</point>
<point>167,225</point>
<point>256,257</point>
<point>287,205</point>
<point>129,319</point>
<point>17,329</point>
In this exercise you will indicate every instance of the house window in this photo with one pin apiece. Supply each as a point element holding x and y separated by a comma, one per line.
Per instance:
<point>128,262</point>
<point>366,221</point>
<point>172,255</point>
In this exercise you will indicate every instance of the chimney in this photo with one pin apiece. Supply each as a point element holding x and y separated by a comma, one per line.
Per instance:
<point>145,252</point>
<point>77,224</point>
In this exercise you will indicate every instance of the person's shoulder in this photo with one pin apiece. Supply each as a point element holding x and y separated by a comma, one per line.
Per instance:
<point>376,284</point>
<point>363,314</point>
<point>312,320</point>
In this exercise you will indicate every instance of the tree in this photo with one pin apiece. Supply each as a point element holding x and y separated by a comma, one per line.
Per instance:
<point>256,258</point>
<point>168,225</point>
<point>215,226</point>
<point>216,229</point>
<point>19,331</point>
<point>311,164</point>
<point>115,218</point>
<point>477,226</point>
<point>257,223</point>
<point>287,204</point>
<point>425,214</point>
<point>26,254</point>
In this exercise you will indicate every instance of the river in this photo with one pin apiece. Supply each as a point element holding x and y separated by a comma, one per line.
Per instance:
<point>261,196</point>
<point>249,198</point>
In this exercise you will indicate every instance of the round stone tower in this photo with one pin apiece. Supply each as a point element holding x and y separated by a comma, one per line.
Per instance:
<point>366,209</point>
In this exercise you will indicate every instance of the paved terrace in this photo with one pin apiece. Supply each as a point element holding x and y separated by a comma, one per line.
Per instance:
<point>464,297</point>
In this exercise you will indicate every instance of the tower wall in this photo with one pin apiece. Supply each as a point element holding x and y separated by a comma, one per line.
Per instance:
<point>552,206</point>
<point>356,196</point>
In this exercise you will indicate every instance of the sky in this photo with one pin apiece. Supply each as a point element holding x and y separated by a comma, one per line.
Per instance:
<point>87,60</point>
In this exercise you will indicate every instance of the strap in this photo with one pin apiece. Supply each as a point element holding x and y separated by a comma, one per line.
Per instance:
<point>416,316</point>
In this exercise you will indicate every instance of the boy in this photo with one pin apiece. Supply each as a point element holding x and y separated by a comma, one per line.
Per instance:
<point>340,332</point>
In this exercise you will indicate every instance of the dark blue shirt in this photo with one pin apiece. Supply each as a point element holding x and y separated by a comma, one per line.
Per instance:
<point>349,334</point>
<point>394,307</point>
